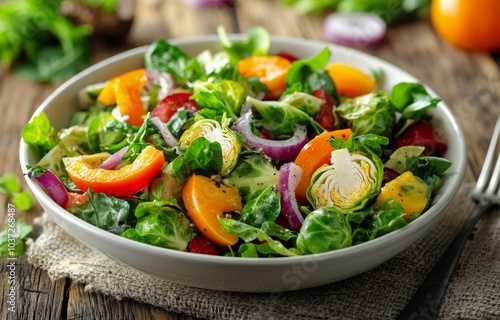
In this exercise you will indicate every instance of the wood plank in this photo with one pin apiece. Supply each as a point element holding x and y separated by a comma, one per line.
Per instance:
<point>468,83</point>
<point>173,19</point>
<point>285,22</point>
<point>90,305</point>
<point>36,296</point>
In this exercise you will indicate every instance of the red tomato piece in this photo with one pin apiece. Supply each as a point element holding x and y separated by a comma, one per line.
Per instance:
<point>172,103</point>
<point>202,245</point>
<point>423,134</point>
<point>325,116</point>
<point>290,57</point>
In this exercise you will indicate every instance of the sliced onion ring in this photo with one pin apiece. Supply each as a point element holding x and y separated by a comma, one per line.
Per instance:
<point>169,138</point>
<point>275,149</point>
<point>53,186</point>
<point>357,29</point>
<point>111,162</point>
<point>288,179</point>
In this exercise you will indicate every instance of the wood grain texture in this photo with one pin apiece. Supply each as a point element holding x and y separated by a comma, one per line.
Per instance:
<point>468,82</point>
<point>106,307</point>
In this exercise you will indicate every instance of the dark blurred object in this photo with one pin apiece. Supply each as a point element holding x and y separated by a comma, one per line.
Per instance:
<point>110,23</point>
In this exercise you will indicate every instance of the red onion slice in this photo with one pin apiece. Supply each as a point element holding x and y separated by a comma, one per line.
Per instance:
<point>288,179</point>
<point>275,149</point>
<point>354,29</point>
<point>169,138</point>
<point>111,162</point>
<point>53,186</point>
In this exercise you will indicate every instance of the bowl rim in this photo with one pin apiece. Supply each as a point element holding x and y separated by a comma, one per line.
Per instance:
<point>456,177</point>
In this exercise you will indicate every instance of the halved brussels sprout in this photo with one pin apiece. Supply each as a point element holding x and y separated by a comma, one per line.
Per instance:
<point>213,131</point>
<point>349,183</point>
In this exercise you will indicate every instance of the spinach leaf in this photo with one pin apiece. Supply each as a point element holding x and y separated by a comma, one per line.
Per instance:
<point>280,118</point>
<point>201,157</point>
<point>311,74</point>
<point>428,168</point>
<point>275,230</point>
<point>257,43</point>
<point>253,174</point>
<point>366,143</point>
<point>162,56</point>
<point>103,211</point>
<point>249,233</point>
<point>412,100</point>
<point>180,121</point>
<point>265,207</point>
<point>99,138</point>
<point>39,133</point>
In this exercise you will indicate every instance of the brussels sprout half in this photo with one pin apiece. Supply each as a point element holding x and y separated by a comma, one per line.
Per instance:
<point>213,131</point>
<point>349,183</point>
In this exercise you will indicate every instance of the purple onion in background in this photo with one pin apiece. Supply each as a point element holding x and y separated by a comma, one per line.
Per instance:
<point>356,29</point>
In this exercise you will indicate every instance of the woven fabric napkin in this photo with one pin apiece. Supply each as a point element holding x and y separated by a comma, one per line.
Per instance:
<point>377,294</point>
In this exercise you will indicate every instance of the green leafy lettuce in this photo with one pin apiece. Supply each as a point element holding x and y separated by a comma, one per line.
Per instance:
<point>370,113</point>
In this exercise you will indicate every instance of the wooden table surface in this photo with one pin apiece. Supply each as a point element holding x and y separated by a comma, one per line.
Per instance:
<point>468,82</point>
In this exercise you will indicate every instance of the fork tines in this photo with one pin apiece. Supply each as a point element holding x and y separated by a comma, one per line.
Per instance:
<point>487,187</point>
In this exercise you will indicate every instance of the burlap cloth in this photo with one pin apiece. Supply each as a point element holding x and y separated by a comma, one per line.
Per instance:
<point>381,293</point>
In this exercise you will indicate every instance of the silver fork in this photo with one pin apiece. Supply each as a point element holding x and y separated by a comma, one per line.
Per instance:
<point>426,302</point>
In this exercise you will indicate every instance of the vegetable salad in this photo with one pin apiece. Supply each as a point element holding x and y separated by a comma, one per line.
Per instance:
<point>243,152</point>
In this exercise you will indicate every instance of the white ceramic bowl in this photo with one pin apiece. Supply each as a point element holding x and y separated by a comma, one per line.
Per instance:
<point>244,274</point>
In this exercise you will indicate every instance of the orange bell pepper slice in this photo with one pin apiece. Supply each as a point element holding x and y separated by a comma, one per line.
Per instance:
<point>271,71</point>
<point>125,91</point>
<point>125,181</point>
<point>205,200</point>
<point>350,81</point>
<point>313,155</point>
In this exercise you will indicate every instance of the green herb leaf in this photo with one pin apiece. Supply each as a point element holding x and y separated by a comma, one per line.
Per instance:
<point>103,211</point>
<point>201,157</point>
<point>11,238</point>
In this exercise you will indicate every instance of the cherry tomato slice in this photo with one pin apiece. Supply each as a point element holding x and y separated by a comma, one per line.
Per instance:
<point>325,115</point>
<point>287,55</point>
<point>172,103</point>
